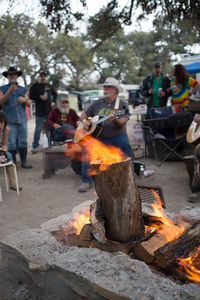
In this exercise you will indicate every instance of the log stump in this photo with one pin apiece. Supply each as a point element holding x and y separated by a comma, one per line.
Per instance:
<point>120,201</point>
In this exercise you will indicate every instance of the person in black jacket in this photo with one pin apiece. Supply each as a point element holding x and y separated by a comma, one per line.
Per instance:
<point>155,88</point>
<point>44,96</point>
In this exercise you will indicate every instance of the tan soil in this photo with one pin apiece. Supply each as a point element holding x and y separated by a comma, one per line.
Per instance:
<point>41,200</point>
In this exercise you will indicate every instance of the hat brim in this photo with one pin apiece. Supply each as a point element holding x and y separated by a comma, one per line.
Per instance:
<point>5,74</point>
<point>119,88</point>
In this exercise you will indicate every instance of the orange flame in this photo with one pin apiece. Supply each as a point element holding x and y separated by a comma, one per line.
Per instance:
<point>167,226</point>
<point>99,153</point>
<point>80,219</point>
<point>191,265</point>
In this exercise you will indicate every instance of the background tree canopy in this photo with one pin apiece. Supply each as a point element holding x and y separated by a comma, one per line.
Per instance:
<point>59,13</point>
<point>80,61</point>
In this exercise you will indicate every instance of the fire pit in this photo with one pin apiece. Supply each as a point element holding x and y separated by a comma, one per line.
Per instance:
<point>34,265</point>
<point>162,260</point>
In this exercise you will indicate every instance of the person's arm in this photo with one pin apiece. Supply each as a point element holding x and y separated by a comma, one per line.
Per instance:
<point>35,92</point>
<point>4,97</point>
<point>84,120</point>
<point>24,100</point>
<point>27,99</point>
<point>51,121</point>
<point>166,90</point>
<point>120,122</point>
<point>5,138</point>
<point>145,90</point>
<point>54,93</point>
<point>195,88</point>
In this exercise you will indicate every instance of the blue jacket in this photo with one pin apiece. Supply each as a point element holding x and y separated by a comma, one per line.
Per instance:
<point>14,110</point>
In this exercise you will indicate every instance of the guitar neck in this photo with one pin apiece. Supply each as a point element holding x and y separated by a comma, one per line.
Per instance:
<point>118,115</point>
<point>100,120</point>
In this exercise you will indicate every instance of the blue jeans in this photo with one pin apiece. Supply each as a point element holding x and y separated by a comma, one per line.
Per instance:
<point>18,136</point>
<point>39,121</point>
<point>120,141</point>
<point>63,133</point>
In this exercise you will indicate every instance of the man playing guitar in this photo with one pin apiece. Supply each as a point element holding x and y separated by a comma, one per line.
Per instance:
<point>114,129</point>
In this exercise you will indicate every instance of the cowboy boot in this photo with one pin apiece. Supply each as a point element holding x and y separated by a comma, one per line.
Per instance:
<point>23,155</point>
<point>12,179</point>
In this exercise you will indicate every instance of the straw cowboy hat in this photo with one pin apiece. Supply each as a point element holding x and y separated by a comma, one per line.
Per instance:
<point>113,82</point>
<point>12,70</point>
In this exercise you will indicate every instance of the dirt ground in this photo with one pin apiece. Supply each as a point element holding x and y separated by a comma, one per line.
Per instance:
<point>43,199</point>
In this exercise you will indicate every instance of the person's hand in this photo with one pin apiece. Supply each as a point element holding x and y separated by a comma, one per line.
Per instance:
<point>20,99</point>
<point>12,88</point>
<point>86,124</point>
<point>197,118</point>
<point>151,91</point>
<point>43,97</point>
<point>112,118</point>
<point>161,94</point>
<point>56,126</point>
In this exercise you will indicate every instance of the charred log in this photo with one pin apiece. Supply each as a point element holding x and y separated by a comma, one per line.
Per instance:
<point>167,256</point>
<point>97,221</point>
<point>120,201</point>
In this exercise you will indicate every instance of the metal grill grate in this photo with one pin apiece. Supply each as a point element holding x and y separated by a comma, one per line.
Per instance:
<point>147,195</point>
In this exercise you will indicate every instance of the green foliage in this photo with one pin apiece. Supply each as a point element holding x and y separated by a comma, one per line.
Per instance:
<point>77,62</point>
<point>59,14</point>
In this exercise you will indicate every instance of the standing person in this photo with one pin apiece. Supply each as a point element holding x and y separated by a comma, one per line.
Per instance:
<point>155,88</point>
<point>114,129</point>
<point>63,121</point>
<point>14,98</point>
<point>4,133</point>
<point>180,86</point>
<point>44,96</point>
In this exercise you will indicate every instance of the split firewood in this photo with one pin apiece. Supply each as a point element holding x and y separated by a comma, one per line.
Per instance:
<point>120,201</point>
<point>108,246</point>
<point>85,234</point>
<point>146,250</point>
<point>97,221</point>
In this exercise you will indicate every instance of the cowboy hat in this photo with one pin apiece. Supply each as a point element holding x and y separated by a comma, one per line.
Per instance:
<point>12,70</point>
<point>113,82</point>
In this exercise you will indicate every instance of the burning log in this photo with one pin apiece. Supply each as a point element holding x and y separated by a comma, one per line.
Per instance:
<point>146,250</point>
<point>120,201</point>
<point>167,256</point>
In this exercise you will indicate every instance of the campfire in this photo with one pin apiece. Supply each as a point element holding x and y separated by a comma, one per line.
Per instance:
<point>115,221</point>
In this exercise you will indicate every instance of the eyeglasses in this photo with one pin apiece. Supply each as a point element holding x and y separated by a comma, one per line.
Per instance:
<point>42,75</point>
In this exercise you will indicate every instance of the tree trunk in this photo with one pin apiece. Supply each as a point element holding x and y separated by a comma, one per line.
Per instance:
<point>120,201</point>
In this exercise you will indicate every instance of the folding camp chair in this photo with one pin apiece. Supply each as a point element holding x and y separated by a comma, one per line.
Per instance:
<point>161,141</point>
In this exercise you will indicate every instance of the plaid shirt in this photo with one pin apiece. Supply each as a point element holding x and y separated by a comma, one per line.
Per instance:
<point>56,116</point>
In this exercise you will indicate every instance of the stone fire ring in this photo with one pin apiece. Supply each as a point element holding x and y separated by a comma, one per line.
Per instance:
<point>34,265</point>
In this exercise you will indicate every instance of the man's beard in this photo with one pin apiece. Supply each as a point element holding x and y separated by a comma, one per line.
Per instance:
<point>64,110</point>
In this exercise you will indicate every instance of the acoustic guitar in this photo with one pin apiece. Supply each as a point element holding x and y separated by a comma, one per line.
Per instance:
<point>96,125</point>
<point>193,133</point>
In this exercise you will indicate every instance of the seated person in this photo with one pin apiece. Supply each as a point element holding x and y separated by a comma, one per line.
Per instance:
<point>193,169</point>
<point>63,121</point>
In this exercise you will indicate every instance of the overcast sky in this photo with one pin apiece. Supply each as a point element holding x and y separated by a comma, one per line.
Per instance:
<point>32,8</point>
